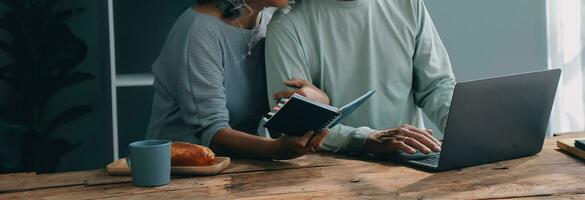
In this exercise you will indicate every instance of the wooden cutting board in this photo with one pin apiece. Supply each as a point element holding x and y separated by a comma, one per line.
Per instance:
<point>568,145</point>
<point>120,168</point>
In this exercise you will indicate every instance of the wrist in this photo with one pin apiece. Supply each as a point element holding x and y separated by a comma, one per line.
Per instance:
<point>372,144</point>
<point>270,149</point>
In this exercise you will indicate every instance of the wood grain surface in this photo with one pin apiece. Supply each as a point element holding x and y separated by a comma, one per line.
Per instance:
<point>549,174</point>
<point>120,168</point>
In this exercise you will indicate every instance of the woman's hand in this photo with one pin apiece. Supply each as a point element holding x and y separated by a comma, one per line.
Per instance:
<point>289,147</point>
<point>304,88</point>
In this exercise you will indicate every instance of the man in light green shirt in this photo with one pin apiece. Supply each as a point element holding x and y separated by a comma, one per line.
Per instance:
<point>349,47</point>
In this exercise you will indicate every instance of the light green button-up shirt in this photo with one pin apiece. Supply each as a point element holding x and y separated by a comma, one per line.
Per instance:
<point>349,47</point>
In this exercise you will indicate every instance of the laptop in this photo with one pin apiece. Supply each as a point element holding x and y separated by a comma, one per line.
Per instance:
<point>494,119</point>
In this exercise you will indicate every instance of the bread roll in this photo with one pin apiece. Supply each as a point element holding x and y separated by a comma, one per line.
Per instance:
<point>187,154</point>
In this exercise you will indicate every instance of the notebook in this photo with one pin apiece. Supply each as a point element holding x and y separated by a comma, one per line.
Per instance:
<point>298,115</point>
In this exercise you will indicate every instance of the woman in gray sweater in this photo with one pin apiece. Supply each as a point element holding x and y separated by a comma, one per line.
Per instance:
<point>210,86</point>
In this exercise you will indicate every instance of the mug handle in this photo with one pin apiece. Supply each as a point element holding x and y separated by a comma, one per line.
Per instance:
<point>128,160</point>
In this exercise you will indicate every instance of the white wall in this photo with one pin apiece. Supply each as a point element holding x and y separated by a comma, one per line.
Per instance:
<point>487,38</point>
<point>567,51</point>
<point>492,37</point>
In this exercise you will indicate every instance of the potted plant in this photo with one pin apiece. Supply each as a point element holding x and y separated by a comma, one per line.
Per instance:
<point>44,54</point>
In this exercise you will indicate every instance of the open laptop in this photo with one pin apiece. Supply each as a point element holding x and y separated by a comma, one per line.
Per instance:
<point>495,119</point>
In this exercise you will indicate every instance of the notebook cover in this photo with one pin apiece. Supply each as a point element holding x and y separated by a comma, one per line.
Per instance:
<point>352,106</point>
<point>300,115</point>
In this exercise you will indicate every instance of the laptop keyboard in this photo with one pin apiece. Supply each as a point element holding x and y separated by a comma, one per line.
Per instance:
<point>429,160</point>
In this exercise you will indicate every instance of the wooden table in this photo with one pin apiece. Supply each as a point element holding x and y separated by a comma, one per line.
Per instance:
<point>549,174</point>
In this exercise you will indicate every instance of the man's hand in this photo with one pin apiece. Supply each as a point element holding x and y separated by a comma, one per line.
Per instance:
<point>405,138</point>
<point>304,88</point>
<point>289,147</point>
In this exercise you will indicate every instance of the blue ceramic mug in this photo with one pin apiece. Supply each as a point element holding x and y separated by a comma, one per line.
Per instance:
<point>150,162</point>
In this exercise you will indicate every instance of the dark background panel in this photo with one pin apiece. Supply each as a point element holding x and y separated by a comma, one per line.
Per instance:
<point>134,108</point>
<point>141,29</point>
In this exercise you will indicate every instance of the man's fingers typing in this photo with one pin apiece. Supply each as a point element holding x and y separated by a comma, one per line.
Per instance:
<point>399,145</point>
<point>422,139</point>
<point>426,133</point>
<point>417,145</point>
<point>387,134</point>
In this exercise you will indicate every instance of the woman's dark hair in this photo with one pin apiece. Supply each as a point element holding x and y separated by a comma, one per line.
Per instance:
<point>230,9</point>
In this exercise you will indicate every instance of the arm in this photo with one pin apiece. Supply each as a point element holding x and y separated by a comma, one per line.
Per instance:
<point>285,59</point>
<point>203,106</point>
<point>434,81</point>
<point>302,87</point>
<point>433,87</point>
<point>240,144</point>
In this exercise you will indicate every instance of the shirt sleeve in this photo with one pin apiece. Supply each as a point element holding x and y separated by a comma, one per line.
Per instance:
<point>201,96</point>
<point>434,81</point>
<point>286,59</point>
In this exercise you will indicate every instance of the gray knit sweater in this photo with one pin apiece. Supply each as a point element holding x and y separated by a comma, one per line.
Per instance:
<point>206,78</point>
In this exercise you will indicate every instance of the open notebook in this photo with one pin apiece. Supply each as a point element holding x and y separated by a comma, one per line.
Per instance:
<point>298,115</point>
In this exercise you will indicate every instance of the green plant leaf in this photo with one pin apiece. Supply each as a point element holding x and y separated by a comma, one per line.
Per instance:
<point>21,49</point>
<point>17,4</point>
<point>23,80</point>
<point>13,74</point>
<point>10,128</point>
<point>68,80</point>
<point>12,69</point>
<point>79,10</point>
<point>50,3</point>
<point>51,152</point>
<point>45,54</point>
<point>9,22</point>
<point>17,110</point>
<point>65,117</point>
<point>61,16</point>
<point>4,46</point>
<point>66,51</point>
